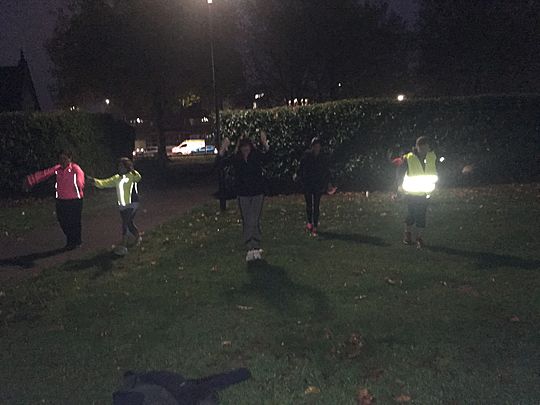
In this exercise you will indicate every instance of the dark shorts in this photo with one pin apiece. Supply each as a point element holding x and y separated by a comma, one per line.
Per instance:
<point>416,211</point>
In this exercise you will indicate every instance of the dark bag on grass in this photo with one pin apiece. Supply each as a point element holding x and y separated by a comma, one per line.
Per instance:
<point>167,388</point>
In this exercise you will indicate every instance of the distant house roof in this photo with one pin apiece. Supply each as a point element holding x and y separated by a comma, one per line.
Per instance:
<point>17,91</point>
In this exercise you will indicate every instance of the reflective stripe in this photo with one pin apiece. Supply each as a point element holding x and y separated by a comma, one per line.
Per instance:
<point>121,198</point>
<point>76,186</point>
<point>56,188</point>
<point>420,184</point>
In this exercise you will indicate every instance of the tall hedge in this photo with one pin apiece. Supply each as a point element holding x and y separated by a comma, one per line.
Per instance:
<point>497,135</point>
<point>30,142</point>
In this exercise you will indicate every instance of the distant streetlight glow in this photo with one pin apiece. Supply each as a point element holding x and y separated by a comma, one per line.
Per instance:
<point>209,1</point>
<point>442,159</point>
<point>107,101</point>
<point>401,97</point>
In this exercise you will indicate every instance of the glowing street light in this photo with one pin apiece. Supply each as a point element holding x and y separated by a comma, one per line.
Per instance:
<point>107,101</point>
<point>401,97</point>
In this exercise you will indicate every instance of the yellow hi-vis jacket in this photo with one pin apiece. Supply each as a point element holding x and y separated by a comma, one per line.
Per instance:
<point>420,180</point>
<point>125,184</point>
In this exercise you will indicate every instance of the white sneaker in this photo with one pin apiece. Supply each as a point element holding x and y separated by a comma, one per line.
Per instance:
<point>257,254</point>
<point>250,256</point>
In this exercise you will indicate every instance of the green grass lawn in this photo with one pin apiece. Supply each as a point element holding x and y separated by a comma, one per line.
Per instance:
<point>19,216</point>
<point>456,323</point>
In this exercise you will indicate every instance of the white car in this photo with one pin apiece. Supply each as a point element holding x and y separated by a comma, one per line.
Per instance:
<point>188,147</point>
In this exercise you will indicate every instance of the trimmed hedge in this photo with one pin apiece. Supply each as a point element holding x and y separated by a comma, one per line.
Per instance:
<point>31,142</point>
<point>498,135</point>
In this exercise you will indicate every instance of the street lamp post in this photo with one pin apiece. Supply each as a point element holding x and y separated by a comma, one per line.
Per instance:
<point>217,129</point>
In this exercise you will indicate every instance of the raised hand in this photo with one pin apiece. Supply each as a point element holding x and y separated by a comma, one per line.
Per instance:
<point>224,146</point>
<point>264,139</point>
<point>25,186</point>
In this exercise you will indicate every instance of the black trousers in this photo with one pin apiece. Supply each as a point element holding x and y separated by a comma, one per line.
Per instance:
<point>416,211</point>
<point>128,216</point>
<point>69,214</point>
<point>313,203</point>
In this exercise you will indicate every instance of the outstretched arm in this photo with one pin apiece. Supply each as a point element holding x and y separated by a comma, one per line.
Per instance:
<point>37,177</point>
<point>107,183</point>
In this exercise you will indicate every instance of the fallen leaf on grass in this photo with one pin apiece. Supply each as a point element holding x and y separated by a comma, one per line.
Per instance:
<point>514,318</point>
<point>214,269</point>
<point>328,334</point>
<point>468,290</point>
<point>402,399</point>
<point>226,343</point>
<point>244,308</point>
<point>391,281</point>
<point>376,374</point>
<point>354,345</point>
<point>360,297</point>
<point>364,397</point>
<point>312,390</point>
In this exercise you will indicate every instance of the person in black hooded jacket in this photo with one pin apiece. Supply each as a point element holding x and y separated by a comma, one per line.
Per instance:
<point>250,186</point>
<point>314,173</point>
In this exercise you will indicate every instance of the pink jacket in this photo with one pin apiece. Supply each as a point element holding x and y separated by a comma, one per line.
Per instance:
<point>69,181</point>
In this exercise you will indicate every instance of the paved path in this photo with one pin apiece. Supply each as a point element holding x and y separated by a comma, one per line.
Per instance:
<point>25,257</point>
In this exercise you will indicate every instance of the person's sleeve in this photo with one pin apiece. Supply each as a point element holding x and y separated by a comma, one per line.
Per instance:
<point>301,167</point>
<point>265,155</point>
<point>79,177</point>
<point>136,176</point>
<point>107,183</point>
<point>401,169</point>
<point>327,171</point>
<point>223,161</point>
<point>40,176</point>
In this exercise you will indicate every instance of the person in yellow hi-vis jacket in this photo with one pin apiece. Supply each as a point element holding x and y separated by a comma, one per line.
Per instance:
<point>416,178</point>
<point>127,193</point>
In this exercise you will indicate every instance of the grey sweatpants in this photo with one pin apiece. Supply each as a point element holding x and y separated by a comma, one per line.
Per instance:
<point>251,210</point>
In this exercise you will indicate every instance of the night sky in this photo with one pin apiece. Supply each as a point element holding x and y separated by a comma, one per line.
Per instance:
<point>28,23</point>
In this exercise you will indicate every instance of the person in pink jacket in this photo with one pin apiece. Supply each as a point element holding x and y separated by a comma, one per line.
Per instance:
<point>69,196</point>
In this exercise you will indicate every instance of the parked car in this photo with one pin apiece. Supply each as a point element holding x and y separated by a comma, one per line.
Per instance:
<point>150,151</point>
<point>188,147</point>
<point>207,150</point>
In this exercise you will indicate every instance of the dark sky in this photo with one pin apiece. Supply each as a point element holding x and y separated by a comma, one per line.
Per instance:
<point>28,23</point>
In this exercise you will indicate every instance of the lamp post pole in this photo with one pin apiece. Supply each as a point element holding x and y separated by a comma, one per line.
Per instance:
<point>217,129</point>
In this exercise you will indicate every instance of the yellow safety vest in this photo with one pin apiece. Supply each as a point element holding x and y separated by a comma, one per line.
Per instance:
<point>124,185</point>
<point>420,180</point>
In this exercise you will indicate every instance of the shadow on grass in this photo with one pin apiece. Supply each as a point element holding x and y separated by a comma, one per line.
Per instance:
<point>28,261</point>
<point>487,260</point>
<point>103,262</point>
<point>354,237</point>
<point>274,285</point>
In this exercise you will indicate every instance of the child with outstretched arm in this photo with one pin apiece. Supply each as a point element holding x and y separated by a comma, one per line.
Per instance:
<point>127,194</point>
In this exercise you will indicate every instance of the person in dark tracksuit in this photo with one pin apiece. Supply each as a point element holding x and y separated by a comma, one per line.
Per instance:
<point>69,196</point>
<point>314,173</point>
<point>248,165</point>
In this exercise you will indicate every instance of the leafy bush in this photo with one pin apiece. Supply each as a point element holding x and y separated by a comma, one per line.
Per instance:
<point>498,135</point>
<point>30,142</point>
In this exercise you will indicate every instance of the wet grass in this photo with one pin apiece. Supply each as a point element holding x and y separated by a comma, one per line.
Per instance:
<point>456,323</point>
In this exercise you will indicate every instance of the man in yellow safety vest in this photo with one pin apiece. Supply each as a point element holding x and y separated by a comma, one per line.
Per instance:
<point>416,179</point>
